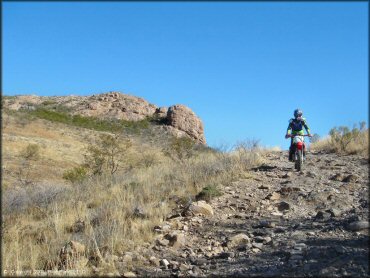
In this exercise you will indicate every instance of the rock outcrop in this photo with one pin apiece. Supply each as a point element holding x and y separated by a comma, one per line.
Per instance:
<point>184,119</point>
<point>118,106</point>
<point>181,120</point>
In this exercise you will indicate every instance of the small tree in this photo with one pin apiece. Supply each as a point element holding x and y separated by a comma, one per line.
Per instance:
<point>180,148</point>
<point>28,156</point>
<point>343,135</point>
<point>340,137</point>
<point>106,154</point>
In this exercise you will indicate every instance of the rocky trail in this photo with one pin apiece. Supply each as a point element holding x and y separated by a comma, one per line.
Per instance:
<point>277,222</point>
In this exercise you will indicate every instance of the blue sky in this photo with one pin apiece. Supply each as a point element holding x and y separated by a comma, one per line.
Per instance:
<point>243,67</point>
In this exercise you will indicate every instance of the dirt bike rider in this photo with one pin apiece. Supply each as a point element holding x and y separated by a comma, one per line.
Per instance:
<point>295,127</point>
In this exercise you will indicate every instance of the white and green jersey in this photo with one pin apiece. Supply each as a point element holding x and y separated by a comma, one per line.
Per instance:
<point>296,126</point>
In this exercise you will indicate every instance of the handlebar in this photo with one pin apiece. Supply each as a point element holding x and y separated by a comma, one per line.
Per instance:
<point>294,135</point>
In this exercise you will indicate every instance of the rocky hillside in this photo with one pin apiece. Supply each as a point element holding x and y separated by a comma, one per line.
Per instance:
<point>173,208</point>
<point>178,119</point>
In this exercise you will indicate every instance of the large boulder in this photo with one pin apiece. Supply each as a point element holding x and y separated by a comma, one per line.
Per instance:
<point>184,119</point>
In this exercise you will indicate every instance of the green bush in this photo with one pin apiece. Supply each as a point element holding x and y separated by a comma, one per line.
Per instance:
<point>48,102</point>
<point>209,192</point>
<point>112,125</point>
<point>75,175</point>
<point>156,119</point>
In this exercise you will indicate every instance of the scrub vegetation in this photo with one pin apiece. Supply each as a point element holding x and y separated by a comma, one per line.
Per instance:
<point>345,140</point>
<point>85,179</point>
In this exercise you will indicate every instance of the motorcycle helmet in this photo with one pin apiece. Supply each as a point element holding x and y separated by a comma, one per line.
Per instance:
<point>298,113</point>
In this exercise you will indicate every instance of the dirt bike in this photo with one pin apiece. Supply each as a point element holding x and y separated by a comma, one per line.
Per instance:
<point>299,146</point>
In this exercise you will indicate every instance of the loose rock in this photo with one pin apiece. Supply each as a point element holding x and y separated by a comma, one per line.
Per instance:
<point>358,225</point>
<point>283,206</point>
<point>238,241</point>
<point>201,207</point>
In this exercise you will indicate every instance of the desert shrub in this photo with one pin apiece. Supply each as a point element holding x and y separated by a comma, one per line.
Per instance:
<point>107,154</point>
<point>15,200</point>
<point>246,154</point>
<point>156,119</point>
<point>75,175</point>
<point>19,199</point>
<point>345,140</point>
<point>180,148</point>
<point>149,158</point>
<point>53,116</point>
<point>48,102</point>
<point>136,126</point>
<point>208,192</point>
<point>61,115</point>
<point>28,156</point>
<point>43,195</point>
<point>31,152</point>
<point>342,136</point>
<point>248,145</point>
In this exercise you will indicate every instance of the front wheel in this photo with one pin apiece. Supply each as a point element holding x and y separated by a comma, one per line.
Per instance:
<point>296,158</point>
<point>299,161</point>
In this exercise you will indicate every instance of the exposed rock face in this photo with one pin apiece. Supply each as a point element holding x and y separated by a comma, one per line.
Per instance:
<point>181,120</point>
<point>184,119</point>
<point>118,106</point>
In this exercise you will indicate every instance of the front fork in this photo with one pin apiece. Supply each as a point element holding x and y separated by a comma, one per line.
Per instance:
<point>296,150</point>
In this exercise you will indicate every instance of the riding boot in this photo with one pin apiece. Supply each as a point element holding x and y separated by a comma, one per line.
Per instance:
<point>290,154</point>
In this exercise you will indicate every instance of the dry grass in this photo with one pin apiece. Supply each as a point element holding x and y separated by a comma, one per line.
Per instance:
<point>61,148</point>
<point>40,218</point>
<point>357,145</point>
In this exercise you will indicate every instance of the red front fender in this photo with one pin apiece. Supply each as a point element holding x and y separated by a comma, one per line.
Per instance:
<point>299,145</point>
